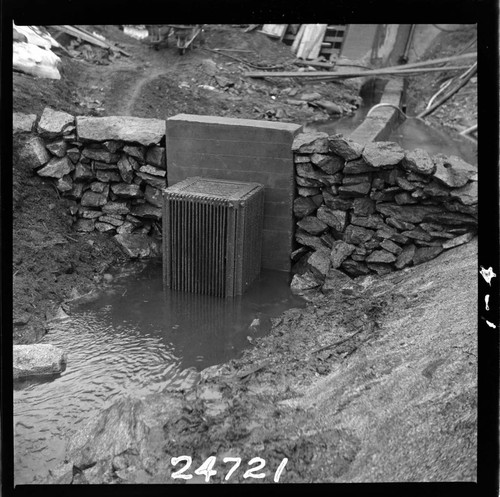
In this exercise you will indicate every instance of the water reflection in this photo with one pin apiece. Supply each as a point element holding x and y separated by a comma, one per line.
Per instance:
<point>136,339</point>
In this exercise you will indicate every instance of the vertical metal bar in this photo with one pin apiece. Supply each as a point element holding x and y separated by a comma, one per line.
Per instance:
<point>166,242</point>
<point>230,252</point>
<point>218,251</point>
<point>213,238</point>
<point>223,236</point>
<point>204,253</point>
<point>199,245</point>
<point>175,241</point>
<point>189,245</point>
<point>184,245</point>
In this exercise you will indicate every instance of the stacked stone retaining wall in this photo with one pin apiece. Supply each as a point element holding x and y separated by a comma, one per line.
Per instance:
<point>112,168</point>
<point>375,208</point>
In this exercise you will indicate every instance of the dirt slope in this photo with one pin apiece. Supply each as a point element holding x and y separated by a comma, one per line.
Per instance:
<point>397,402</point>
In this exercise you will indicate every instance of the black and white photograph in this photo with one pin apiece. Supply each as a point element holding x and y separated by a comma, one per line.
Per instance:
<point>247,253</point>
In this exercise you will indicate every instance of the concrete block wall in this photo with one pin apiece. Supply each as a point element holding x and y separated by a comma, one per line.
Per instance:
<point>242,150</point>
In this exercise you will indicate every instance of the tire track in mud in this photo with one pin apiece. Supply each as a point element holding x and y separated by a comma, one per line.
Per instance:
<point>129,100</point>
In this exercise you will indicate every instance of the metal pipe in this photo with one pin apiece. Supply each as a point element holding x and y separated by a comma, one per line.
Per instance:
<point>386,105</point>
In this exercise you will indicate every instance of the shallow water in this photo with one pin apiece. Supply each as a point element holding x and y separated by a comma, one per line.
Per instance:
<point>136,339</point>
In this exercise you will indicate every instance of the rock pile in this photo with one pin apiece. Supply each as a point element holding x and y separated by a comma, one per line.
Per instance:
<point>375,208</point>
<point>113,168</point>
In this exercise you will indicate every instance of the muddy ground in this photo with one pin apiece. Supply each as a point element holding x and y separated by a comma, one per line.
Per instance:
<point>369,383</point>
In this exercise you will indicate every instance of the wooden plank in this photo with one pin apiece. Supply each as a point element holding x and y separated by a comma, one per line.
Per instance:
<point>311,41</point>
<point>349,74</point>
<point>82,35</point>
<point>274,30</point>
<point>298,38</point>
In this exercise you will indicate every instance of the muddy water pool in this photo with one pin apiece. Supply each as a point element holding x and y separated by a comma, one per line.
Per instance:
<point>136,339</point>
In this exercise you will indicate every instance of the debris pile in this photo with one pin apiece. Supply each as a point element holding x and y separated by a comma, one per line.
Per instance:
<point>32,54</point>
<point>375,208</point>
<point>112,168</point>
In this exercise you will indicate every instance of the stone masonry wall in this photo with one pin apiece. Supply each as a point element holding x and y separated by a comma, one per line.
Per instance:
<point>113,168</point>
<point>375,208</point>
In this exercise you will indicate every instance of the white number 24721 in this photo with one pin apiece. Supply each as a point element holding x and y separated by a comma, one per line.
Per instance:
<point>207,468</point>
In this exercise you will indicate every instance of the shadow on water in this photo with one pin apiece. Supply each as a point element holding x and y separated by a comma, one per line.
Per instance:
<point>136,339</point>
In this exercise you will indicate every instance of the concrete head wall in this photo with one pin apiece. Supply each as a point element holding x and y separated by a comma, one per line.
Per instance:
<point>242,150</point>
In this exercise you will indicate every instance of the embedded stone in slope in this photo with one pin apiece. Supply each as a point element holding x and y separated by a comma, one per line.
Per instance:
<point>32,152</point>
<point>319,262</point>
<point>22,123</point>
<point>125,128</point>
<point>57,168</point>
<point>380,154</point>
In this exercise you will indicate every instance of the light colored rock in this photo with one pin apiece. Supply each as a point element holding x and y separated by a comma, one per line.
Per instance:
<point>125,128</point>
<point>58,148</point>
<point>381,256</point>
<point>301,282</point>
<point>64,184</point>
<point>32,152</point>
<point>100,154</point>
<point>154,181</point>
<point>383,154</point>
<point>153,171</point>
<point>116,208</point>
<point>54,123</point>
<point>126,190</point>
<point>312,225</point>
<point>57,168</point>
<point>466,194</point>
<point>137,245</point>
<point>453,171</point>
<point>37,360</point>
<point>319,263</point>
<point>23,123</point>
<point>419,161</point>
<point>459,240</point>
<point>340,252</point>
<point>147,210</point>
<point>83,172</point>
<point>310,143</point>
<point>344,147</point>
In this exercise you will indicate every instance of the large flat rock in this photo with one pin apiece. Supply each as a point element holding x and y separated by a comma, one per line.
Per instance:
<point>125,128</point>
<point>37,360</point>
